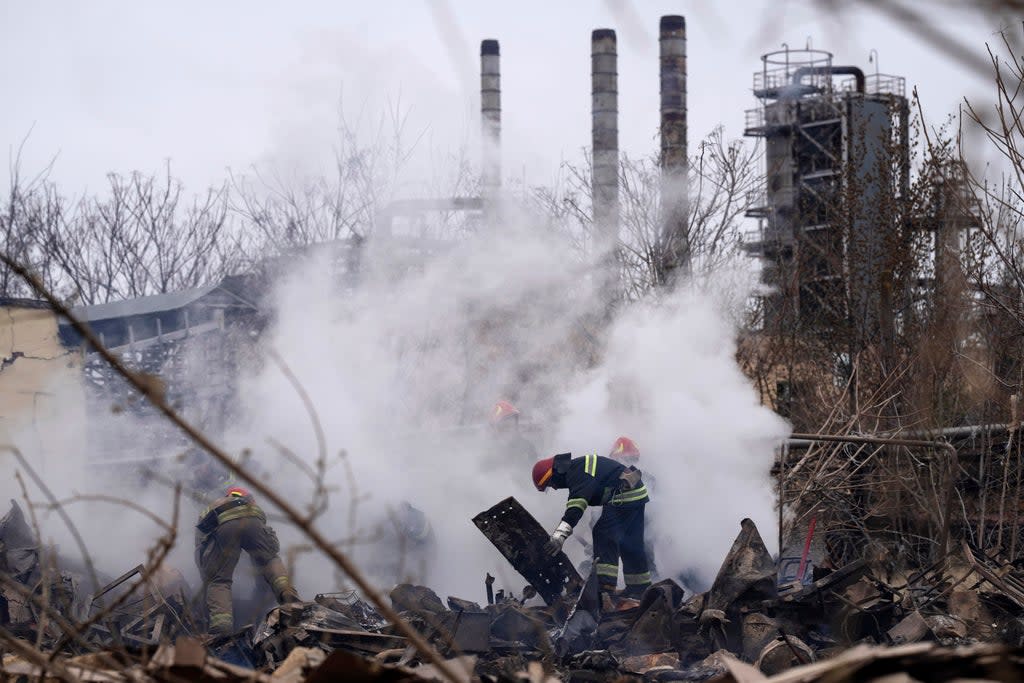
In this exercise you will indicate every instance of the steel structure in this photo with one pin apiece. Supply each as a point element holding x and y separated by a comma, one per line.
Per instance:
<point>837,163</point>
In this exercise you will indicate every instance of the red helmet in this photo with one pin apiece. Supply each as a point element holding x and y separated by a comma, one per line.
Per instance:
<point>624,448</point>
<point>238,492</point>
<point>542,471</point>
<point>501,411</point>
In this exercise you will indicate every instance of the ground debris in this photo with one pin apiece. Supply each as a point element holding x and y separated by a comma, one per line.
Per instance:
<point>643,664</point>
<point>783,653</point>
<point>349,604</point>
<point>408,598</point>
<point>849,624</point>
<point>299,663</point>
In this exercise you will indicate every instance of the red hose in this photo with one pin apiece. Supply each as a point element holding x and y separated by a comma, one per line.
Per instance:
<point>807,549</point>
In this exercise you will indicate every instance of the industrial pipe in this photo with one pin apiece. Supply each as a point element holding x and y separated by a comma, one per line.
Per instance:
<point>490,118</point>
<point>674,154</point>
<point>953,465</point>
<point>854,71</point>
<point>605,137</point>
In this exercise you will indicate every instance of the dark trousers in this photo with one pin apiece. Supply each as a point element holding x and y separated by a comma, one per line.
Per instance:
<point>620,533</point>
<point>218,553</point>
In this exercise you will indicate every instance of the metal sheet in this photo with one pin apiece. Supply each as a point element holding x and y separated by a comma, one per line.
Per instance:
<point>521,538</point>
<point>471,631</point>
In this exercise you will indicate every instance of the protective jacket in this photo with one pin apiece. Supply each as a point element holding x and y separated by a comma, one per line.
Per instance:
<point>230,525</point>
<point>227,508</point>
<point>619,533</point>
<point>596,480</point>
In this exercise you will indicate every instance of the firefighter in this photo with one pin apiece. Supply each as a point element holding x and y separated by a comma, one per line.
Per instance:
<point>511,443</point>
<point>626,451</point>
<point>406,548</point>
<point>619,532</point>
<point>231,524</point>
<point>413,526</point>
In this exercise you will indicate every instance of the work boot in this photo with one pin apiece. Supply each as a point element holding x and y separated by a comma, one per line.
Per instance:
<point>635,592</point>
<point>289,595</point>
<point>221,624</point>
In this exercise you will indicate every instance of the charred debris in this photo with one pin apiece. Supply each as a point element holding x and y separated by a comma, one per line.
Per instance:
<point>962,617</point>
<point>957,616</point>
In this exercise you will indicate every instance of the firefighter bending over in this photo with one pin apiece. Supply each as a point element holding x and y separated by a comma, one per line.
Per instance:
<point>230,525</point>
<point>619,532</point>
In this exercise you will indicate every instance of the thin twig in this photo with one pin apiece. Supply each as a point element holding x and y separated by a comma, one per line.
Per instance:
<point>150,390</point>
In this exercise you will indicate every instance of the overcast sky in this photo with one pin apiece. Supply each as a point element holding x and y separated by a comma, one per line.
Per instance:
<point>116,86</point>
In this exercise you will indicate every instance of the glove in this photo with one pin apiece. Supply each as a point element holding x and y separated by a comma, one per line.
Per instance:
<point>558,536</point>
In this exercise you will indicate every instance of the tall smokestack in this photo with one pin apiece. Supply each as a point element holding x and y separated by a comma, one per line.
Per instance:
<point>605,111</point>
<point>674,160</point>
<point>490,119</point>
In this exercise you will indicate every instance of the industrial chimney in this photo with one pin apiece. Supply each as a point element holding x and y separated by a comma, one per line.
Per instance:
<point>674,160</point>
<point>490,119</point>
<point>605,111</point>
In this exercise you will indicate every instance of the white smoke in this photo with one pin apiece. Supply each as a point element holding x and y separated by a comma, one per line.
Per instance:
<point>391,369</point>
<point>403,373</point>
<point>62,445</point>
<point>669,380</point>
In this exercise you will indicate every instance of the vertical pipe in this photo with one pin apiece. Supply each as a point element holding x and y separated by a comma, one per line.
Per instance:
<point>1013,439</point>
<point>674,160</point>
<point>605,130</point>
<point>784,451</point>
<point>490,120</point>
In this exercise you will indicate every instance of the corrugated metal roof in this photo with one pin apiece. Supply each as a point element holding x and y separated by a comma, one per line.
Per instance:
<point>142,305</point>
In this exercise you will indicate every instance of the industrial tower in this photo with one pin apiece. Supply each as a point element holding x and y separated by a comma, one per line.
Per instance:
<point>837,166</point>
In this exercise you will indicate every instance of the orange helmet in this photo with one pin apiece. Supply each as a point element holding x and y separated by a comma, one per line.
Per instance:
<point>238,492</point>
<point>542,471</point>
<point>502,410</point>
<point>624,448</point>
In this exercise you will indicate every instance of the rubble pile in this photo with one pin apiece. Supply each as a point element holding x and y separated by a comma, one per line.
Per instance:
<point>962,618</point>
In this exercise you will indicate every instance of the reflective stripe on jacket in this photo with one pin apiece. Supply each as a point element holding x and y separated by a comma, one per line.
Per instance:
<point>232,507</point>
<point>596,480</point>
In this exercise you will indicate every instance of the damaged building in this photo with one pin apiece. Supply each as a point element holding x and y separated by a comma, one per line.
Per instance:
<point>40,377</point>
<point>194,340</point>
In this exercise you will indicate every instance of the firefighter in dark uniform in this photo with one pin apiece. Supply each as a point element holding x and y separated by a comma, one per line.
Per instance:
<point>228,526</point>
<point>597,480</point>
<point>626,451</point>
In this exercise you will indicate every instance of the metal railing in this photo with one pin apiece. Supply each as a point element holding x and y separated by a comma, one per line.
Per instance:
<point>874,84</point>
<point>778,78</point>
<point>758,201</point>
<point>757,198</point>
<point>766,237</point>
<point>754,118</point>
<point>885,84</point>
<point>775,115</point>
